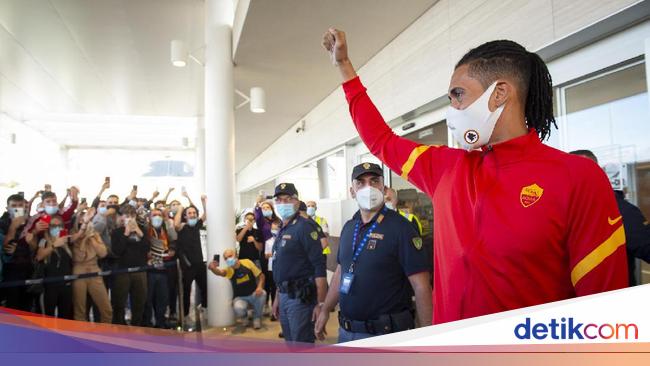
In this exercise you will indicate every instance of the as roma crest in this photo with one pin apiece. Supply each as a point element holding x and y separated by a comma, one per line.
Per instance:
<point>530,195</point>
<point>314,235</point>
<point>417,243</point>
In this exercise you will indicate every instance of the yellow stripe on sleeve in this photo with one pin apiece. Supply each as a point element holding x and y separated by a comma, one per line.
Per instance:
<point>598,255</point>
<point>413,157</point>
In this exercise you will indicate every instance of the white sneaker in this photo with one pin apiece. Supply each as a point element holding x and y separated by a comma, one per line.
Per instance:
<point>257,323</point>
<point>188,324</point>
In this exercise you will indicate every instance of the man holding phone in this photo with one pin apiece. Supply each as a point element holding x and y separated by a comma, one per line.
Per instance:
<point>12,218</point>
<point>247,285</point>
<point>250,240</point>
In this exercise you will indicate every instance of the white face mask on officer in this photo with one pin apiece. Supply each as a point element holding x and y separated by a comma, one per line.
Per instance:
<point>472,127</point>
<point>369,198</point>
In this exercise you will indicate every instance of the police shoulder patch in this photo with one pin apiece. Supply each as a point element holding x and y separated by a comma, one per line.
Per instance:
<point>314,235</point>
<point>417,243</point>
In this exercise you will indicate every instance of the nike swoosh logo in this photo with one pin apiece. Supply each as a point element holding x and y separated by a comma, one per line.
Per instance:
<point>614,221</point>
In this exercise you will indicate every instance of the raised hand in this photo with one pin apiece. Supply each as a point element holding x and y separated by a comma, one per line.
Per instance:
<point>74,193</point>
<point>89,215</point>
<point>335,43</point>
<point>82,206</point>
<point>41,226</point>
<point>59,242</point>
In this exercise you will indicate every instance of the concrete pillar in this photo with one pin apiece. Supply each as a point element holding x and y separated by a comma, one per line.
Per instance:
<point>323,178</point>
<point>219,120</point>
<point>199,151</point>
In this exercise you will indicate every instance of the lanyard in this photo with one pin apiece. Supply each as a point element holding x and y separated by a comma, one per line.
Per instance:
<point>364,241</point>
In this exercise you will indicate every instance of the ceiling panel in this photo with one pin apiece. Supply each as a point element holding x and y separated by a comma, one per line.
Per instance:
<point>112,57</point>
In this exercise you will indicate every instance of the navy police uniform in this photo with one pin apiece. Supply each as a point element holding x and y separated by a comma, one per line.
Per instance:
<point>297,262</point>
<point>637,234</point>
<point>378,298</point>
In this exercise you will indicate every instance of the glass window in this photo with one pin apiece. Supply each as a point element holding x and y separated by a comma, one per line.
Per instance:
<point>411,199</point>
<point>610,111</point>
<point>333,172</point>
<point>247,199</point>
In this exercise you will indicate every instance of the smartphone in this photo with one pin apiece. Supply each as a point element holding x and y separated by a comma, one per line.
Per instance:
<point>63,233</point>
<point>83,200</point>
<point>135,187</point>
<point>216,258</point>
<point>183,189</point>
<point>22,194</point>
<point>47,188</point>
<point>107,179</point>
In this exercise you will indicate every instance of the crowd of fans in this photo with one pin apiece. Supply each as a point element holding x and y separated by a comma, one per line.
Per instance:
<point>47,237</point>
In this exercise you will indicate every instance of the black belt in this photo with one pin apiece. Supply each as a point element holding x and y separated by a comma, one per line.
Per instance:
<point>384,324</point>
<point>291,286</point>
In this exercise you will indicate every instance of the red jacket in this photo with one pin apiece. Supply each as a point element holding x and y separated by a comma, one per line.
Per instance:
<point>516,224</point>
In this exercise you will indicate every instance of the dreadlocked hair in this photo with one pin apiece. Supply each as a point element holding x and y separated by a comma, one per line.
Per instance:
<point>507,59</point>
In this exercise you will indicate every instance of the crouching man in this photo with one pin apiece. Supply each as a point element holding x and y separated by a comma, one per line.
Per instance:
<point>247,286</point>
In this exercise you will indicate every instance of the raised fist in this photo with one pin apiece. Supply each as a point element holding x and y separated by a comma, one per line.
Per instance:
<point>335,43</point>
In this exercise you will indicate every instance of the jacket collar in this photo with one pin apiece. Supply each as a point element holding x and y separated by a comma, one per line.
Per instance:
<point>513,150</point>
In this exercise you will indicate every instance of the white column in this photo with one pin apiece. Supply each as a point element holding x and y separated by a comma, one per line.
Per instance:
<point>199,151</point>
<point>219,151</point>
<point>323,178</point>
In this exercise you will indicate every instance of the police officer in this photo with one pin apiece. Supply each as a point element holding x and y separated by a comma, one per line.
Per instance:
<point>379,256</point>
<point>298,268</point>
<point>322,236</point>
<point>322,223</point>
<point>391,199</point>
<point>311,211</point>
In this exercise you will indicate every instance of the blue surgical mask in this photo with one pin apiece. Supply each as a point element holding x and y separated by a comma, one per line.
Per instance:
<point>285,210</point>
<point>267,213</point>
<point>231,261</point>
<point>55,231</point>
<point>51,210</point>
<point>102,210</point>
<point>275,232</point>
<point>40,209</point>
<point>133,203</point>
<point>157,221</point>
<point>192,222</point>
<point>311,211</point>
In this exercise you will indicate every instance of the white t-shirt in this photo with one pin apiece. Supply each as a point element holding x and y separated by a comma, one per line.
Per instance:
<point>268,249</point>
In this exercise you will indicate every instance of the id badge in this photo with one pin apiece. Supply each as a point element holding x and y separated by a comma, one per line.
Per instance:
<point>346,283</point>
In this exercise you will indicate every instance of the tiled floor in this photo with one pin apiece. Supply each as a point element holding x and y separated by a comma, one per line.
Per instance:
<point>270,330</point>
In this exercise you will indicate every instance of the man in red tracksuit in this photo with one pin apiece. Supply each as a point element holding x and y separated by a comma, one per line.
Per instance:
<point>518,223</point>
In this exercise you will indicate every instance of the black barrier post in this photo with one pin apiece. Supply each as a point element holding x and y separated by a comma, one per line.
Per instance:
<point>181,305</point>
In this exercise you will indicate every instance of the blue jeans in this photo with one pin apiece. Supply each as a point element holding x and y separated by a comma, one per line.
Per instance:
<point>295,319</point>
<point>240,305</point>
<point>345,336</point>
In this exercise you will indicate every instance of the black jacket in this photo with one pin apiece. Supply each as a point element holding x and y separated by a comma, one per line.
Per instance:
<point>130,252</point>
<point>637,234</point>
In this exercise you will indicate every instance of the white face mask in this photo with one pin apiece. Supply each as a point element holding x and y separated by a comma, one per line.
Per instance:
<point>390,206</point>
<point>472,127</point>
<point>369,198</point>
